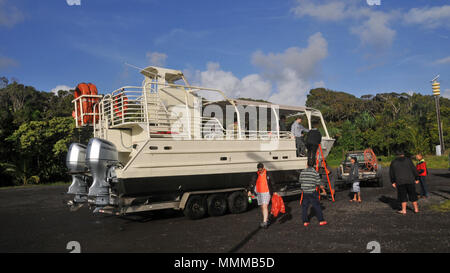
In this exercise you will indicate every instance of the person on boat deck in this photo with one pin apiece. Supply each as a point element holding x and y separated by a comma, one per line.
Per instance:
<point>283,127</point>
<point>263,184</point>
<point>313,140</point>
<point>297,131</point>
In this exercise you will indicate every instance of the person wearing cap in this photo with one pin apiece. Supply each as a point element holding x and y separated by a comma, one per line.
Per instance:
<point>403,175</point>
<point>309,181</point>
<point>262,184</point>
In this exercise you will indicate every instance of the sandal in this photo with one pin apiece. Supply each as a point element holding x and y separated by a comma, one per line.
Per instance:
<point>401,212</point>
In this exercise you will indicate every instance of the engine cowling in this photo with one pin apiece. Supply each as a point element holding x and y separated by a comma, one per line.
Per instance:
<point>76,163</point>
<point>100,156</point>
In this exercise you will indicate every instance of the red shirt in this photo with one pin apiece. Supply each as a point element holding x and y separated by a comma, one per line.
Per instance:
<point>422,168</point>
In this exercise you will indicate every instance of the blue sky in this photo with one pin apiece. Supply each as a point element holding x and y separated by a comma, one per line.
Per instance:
<point>276,50</point>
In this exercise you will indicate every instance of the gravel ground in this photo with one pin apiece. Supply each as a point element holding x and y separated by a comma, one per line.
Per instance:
<point>36,220</point>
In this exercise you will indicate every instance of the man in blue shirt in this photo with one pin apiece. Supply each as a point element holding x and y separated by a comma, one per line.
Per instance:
<point>297,131</point>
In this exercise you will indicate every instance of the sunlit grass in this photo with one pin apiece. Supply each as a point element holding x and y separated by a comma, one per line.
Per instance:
<point>443,207</point>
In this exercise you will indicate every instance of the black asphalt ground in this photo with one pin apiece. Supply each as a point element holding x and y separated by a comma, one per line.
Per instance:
<point>36,220</point>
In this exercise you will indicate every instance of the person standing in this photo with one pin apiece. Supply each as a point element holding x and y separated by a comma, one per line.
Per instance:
<point>403,176</point>
<point>309,180</point>
<point>423,172</point>
<point>353,177</point>
<point>297,131</point>
<point>313,140</point>
<point>263,184</point>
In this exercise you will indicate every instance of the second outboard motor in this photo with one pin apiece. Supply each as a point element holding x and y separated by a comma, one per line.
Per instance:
<point>100,156</point>
<point>76,163</point>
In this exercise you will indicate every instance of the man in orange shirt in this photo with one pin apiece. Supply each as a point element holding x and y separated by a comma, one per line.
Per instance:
<point>262,183</point>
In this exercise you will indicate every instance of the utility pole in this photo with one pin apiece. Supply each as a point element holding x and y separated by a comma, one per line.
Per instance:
<point>435,85</point>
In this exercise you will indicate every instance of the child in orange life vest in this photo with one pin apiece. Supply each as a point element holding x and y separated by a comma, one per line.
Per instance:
<point>422,171</point>
<point>262,184</point>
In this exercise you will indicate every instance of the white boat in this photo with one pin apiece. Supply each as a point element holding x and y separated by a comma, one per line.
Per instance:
<point>158,146</point>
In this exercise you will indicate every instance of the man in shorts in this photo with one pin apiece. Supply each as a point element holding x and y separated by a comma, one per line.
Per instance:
<point>403,175</point>
<point>262,183</point>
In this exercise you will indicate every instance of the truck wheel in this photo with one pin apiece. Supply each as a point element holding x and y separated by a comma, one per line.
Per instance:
<point>217,204</point>
<point>195,207</point>
<point>238,202</point>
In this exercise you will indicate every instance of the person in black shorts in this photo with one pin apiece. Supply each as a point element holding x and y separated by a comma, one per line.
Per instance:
<point>403,176</point>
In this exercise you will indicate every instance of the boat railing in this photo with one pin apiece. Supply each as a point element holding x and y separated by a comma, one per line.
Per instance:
<point>133,105</point>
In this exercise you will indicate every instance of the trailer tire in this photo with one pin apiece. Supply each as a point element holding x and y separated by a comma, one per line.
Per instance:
<point>217,205</point>
<point>195,207</point>
<point>237,202</point>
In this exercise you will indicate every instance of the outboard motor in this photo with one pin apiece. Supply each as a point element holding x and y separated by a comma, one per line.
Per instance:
<point>76,163</point>
<point>101,156</point>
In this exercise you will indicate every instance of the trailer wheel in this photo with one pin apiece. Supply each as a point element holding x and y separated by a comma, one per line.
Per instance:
<point>195,207</point>
<point>217,205</point>
<point>237,202</point>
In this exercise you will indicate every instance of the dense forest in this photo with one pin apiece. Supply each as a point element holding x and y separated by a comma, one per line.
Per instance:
<point>36,127</point>
<point>386,122</point>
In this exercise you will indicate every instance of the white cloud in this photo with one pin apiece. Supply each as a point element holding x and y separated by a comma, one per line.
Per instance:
<point>375,31</point>
<point>73,2</point>
<point>372,27</point>
<point>156,58</point>
<point>319,84</point>
<point>302,61</point>
<point>9,15</point>
<point>61,87</point>
<point>430,17</point>
<point>446,93</point>
<point>285,79</point>
<point>250,86</point>
<point>6,63</point>
<point>332,11</point>
<point>445,60</point>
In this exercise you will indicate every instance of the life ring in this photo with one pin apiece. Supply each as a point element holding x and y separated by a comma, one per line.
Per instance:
<point>117,104</point>
<point>76,94</point>
<point>93,91</point>
<point>85,102</point>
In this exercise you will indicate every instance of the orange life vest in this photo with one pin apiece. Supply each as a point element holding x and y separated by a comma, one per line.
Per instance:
<point>277,205</point>
<point>261,182</point>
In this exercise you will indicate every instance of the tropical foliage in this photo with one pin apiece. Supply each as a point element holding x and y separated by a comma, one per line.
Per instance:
<point>385,122</point>
<point>36,129</point>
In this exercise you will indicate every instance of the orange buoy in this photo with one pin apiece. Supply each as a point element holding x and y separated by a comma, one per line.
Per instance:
<point>85,103</point>
<point>93,91</point>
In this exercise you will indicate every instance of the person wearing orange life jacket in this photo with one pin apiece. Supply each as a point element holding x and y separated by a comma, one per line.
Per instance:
<point>262,183</point>
<point>423,172</point>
